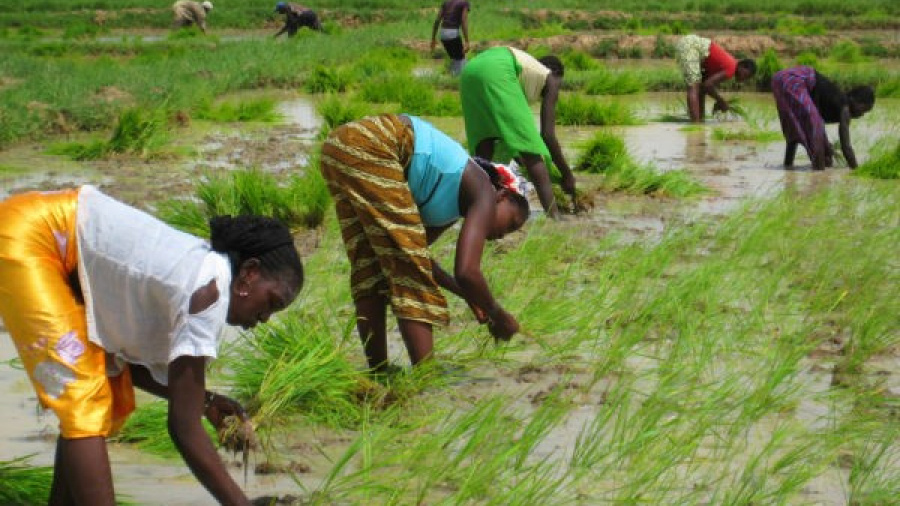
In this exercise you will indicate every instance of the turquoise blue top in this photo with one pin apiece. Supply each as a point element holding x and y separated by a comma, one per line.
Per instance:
<point>435,172</point>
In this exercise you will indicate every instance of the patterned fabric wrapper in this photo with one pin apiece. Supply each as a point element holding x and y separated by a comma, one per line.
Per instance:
<point>799,116</point>
<point>363,163</point>
<point>690,52</point>
<point>494,107</point>
<point>43,311</point>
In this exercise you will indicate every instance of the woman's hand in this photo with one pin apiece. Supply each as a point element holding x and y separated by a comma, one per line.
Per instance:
<point>721,106</point>
<point>218,407</point>
<point>480,314</point>
<point>503,325</point>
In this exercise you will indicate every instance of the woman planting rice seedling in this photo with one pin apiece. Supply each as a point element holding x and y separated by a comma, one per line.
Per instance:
<point>806,101</point>
<point>704,64</point>
<point>398,183</point>
<point>100,297</point>
<point>495,89</point>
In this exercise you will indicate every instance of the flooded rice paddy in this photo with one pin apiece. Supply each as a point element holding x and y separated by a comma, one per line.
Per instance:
<point>734,170</point>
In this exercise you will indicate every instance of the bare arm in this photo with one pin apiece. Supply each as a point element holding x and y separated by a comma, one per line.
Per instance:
<point>465,29</point>
<point>479,201</point>
<point>548,131</point>
<point>435,26</point>
<point>844,135</point>
<point>187,378</point>
<point>709,87</point>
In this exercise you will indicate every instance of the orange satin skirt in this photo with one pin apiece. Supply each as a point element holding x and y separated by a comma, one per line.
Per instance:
<point>42,307</point>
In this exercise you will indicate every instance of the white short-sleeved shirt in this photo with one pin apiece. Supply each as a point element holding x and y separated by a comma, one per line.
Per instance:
<point>137,275</point>
<point>533,76</point>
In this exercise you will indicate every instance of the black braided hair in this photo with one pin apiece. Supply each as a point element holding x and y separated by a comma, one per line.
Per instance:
<point>488,167</point>
<point>266,239</point>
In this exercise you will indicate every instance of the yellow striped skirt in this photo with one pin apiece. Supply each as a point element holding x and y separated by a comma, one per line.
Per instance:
<point>363,163</point>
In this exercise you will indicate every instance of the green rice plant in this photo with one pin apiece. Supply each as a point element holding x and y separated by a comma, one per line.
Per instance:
<point>574,59</point>
<point>381,61</point>
<point>752,134</point>
<point>336,111</point>
<point>603,152</point>
<point>606,154</point>
<point>137,133</point>
<point>299,201</point>
<point>890,88</point>
<point>605,82</point>
<point>147,430</point>
<point>846,51</point>
<point>808,58</point>
<point>83,31</point>
<point>324,79</point>
<point>662,48</point>
<point>578,110</point>
<point>884,166</point>
<point>766,67</point>
<point>797,26</point>
<point>257,109</point>
<point>21,483</point>
<point>296,365</point>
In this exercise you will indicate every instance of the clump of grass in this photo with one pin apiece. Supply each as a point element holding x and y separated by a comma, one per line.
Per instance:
<point>327,80</point>
<point>606,154</point>
<point>885,166</point>
<point>296,366</point>
<point>21,483</point>
<point>384,61</point>
<point>147,429</point>
<point>577,110</point>
<point>766,67</point>
<point>603,152</point>
<point>605,82</point>
<point>138,132</point>
<point>300,202</point>
<point>259,109</point>
<point>753,134</point>
<point>847,51</point>
<point>574,59</point>
<point>808,58</point>
<point>411,94</point>
<point>336,110</point>
<point>796,26</point>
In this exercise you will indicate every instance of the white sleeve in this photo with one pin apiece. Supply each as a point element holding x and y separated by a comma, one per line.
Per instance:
<point>199,335</point>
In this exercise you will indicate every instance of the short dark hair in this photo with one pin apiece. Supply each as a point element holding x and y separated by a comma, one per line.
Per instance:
<point>863,95</point>
<point>554,64</point>
<point>748,64</point>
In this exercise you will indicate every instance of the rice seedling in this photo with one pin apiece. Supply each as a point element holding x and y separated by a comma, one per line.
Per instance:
<point>137,133</point>
<point>883,166</point>
<point>336,110</point>
<point>606,153</point>
<point>753,135</point>
<point>147,430</point>
<point>21,483</point>
<point>846,51</point>
<point>258,109</point>
<point>577,110</point>
<point>807,58</point>
<point>766,67</point>
<point>605,82</point>
<point>327,80</point>
<point>300,201</point>
<point>296,366</point>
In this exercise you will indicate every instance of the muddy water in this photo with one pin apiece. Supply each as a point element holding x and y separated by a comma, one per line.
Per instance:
<point>735,170</point>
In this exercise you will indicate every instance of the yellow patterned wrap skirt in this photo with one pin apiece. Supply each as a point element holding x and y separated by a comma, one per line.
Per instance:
<point>42,308</point>
<point>363,163</point>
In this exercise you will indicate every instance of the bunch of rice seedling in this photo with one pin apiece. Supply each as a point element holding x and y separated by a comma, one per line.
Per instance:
<point>327,80</point>
<point>147,429</point>
<point>137,132</point>
<point>295,365</point>
<point>577,110</point>
<point>300,201</point>
<point>606,154</point>
<point>603,152</point>
<point>766,68</point>
<point>847,51</point>
<point>260,109</point>
<point>885,166</point>
<point>605,82</point>
<point>24,484</point>
<point>336,110</point>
